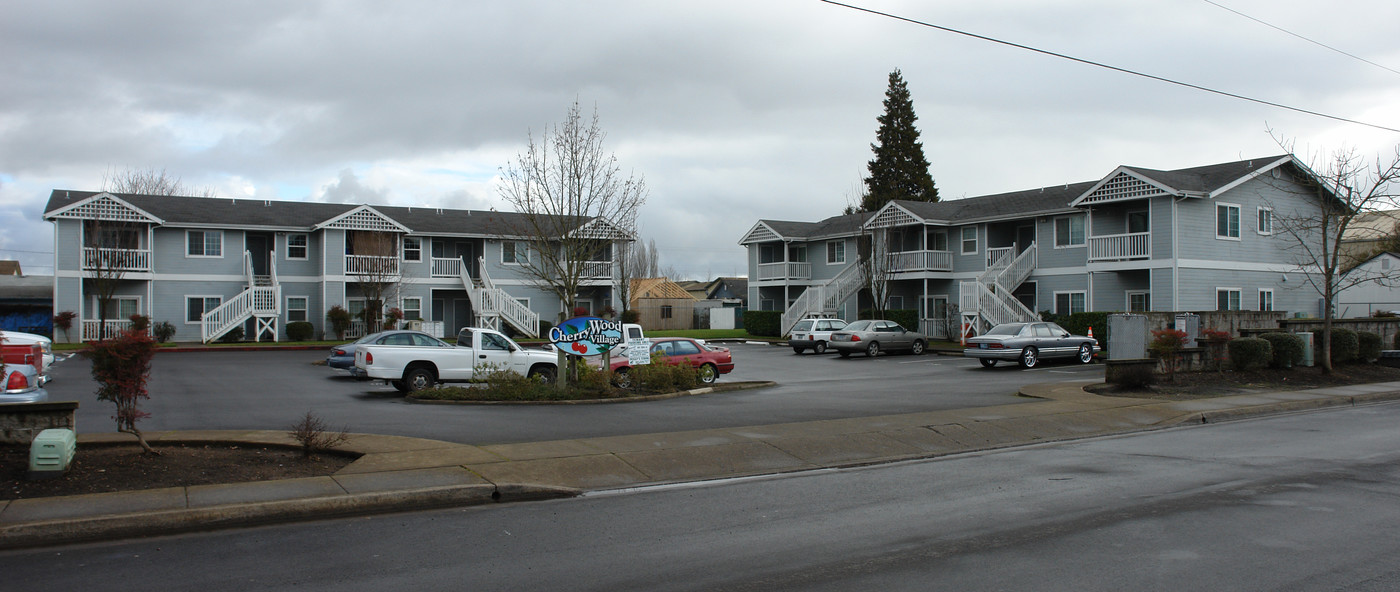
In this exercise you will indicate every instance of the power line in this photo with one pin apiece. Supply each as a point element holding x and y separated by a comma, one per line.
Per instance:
<point>1318,43</point>
<point>1109,67</point>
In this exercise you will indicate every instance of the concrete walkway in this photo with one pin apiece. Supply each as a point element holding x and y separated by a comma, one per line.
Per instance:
<point>400,474</point>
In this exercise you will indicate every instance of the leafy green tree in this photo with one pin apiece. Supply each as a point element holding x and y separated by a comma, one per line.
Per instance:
<point>899,169</point>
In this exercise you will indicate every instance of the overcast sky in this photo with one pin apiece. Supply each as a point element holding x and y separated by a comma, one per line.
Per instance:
<point>732,111</point>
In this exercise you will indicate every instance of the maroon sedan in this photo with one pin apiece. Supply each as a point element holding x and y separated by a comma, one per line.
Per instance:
<point>711,361</point>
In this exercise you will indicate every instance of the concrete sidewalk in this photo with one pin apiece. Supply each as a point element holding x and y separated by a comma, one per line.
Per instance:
<point>402,474</point>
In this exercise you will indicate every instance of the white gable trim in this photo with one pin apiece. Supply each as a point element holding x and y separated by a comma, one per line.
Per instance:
<point>1105,192</point>
<point>599,228</point>
<point>892,215</point>
<point>364,218</point>
<point>760,233</point>
<point>104,206</point>
<point>1259,171</point>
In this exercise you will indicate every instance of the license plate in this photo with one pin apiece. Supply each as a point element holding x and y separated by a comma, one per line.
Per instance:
<point>981,346</point>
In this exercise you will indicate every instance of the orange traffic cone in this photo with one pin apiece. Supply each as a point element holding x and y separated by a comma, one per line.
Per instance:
<point>1091,332</point>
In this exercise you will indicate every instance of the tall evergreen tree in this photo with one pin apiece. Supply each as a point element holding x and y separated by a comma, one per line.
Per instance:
<point>899,169</point>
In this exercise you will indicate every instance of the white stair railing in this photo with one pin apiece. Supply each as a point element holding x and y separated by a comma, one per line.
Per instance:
<point>824,298</point>
<point>494,303</point>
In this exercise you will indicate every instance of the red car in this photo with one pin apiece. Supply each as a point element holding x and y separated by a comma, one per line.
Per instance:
<point>710,360</point>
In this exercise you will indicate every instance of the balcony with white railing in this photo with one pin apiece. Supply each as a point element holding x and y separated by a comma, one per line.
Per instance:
<point>1120,247</point>
<point>93,329</point>
<point>921,261</point>
<point>784,271</point>
<point>447,267</point>
<point>372,265</point>
<point>101,259</point>
<point>597,270</point>
<point>995,256</point>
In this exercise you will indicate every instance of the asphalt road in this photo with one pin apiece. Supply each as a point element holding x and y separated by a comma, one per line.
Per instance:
<point>273,389</point>
<point>1294,502</point>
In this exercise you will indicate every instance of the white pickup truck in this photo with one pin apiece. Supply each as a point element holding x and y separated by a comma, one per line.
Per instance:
<point>422,361</point>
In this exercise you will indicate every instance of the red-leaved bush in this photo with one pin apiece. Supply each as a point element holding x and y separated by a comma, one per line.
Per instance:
<point>120,366</point>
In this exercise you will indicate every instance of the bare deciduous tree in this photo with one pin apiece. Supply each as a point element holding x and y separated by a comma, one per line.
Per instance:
<point>1342,186</point>
<point>377,273</point>
<point>638,260</point>
<point>876,269</point>
<point>573,201</point>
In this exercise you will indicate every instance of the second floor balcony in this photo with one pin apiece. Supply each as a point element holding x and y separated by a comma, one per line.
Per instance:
<point>104,259</point>
<point>905,261</point>
<point>372,265</point>
<point>1120,247</point>
<point>783,270</point>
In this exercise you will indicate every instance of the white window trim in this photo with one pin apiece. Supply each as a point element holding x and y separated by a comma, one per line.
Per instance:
<point>519,247</point>
<point>1055,224</point>
<point>1128,299</point>
<point>221,245</point>
<point>115,297</point>
<point>1056,302</point>
<point>287,302</point>
<point>1259,210</point>
<point>829,259</point>
<point>962,241</point>
<point>288,253</point>
<point>1216,221</point>
<point>1262,292</point>
<point>403,249</point>
<point>403,306</point>
<point>203,296</point>
<point>1218,290</point>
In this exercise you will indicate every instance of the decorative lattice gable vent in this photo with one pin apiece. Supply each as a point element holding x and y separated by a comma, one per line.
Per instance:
<point>105,207</point>
<point>760,233</point>
<point>364,218</point>
<point>892,217</point>
<point>1121,188</point>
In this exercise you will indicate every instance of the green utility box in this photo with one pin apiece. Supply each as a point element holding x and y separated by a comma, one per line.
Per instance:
<point>51,453</point>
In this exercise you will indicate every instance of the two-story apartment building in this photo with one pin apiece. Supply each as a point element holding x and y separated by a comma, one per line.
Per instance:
<point>208,265</point>
<point>1139,239</point>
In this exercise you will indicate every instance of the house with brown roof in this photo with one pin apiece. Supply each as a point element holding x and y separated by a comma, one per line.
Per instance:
<point>662,305</point>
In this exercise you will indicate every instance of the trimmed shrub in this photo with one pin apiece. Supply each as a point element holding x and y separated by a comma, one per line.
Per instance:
<point>140,322</point>
<point>907,318</point>
<point>234,335</point>
<point>763,323</point>
<point>163,331</point>
<point>1166,346</point>
<point>1368,347</point>
<point>1344,345</point>
<point>660,377</point>
<point>1080,322</point>
<point>300,331</point>
<point>1250,353</point>
<point>1287,349</point>
<point>631,316</point>
<point>339,319</point>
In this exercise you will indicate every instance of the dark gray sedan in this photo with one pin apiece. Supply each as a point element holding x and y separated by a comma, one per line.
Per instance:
<point>1028,343</point>
<point>872,337</point>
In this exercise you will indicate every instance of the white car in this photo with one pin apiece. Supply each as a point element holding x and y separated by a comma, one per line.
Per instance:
<point>814,334</point>
<point>45,344</point>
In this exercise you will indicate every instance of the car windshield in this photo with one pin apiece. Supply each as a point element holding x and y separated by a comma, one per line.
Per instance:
<point>1012,329</point>
<point>859,326</point>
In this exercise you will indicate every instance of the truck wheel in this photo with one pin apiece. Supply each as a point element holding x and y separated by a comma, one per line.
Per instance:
<point>820,347</point>
<point>399,384</point>
<point>797,350</point>
<point>545,372</point>
<point>419,378</point>
<point>708,374</point>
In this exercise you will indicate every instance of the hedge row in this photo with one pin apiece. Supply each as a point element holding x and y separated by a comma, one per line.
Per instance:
<point>907,318</point>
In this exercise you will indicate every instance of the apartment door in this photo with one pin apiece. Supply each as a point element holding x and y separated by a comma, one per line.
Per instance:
<point>1025,236</point>
<point>259,247</point>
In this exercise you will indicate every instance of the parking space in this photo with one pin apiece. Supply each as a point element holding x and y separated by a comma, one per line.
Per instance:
<point>272,389</point>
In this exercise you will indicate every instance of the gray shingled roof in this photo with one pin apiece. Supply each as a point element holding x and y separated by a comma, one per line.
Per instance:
<point>1207,178</point>
<point>179,210</point>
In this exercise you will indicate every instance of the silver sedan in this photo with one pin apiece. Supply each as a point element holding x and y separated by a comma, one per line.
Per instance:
<point>872,337</point>
<point>1028,343</point>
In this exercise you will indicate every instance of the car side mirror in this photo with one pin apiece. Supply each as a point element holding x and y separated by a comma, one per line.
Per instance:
<point>1064,334</point>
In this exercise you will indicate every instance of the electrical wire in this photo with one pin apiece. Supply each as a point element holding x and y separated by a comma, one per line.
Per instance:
<point>1283,30</point>
<point>1110,67</point>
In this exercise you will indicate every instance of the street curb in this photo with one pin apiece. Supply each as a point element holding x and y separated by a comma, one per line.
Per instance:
<point>1253,411</point>
<point>717,388</point>
<point>166,522</point>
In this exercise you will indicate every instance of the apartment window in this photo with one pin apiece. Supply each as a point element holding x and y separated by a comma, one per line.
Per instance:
<point>666,311</point>
<point>1266,300</point>
<point>412,309</point>
<point>938,241</point>
<point>969,239</point>
<point>119,308</point>
<point>797,254</point>
<point>296,246</point>
<point>1069,302</point>
<point>196,306</point>
<point>1227,298</point>
<point>767,304</point>
<point>204,243</point>
<point>1227,221</point>
<point>296,309</point>
<point>1264,221</point>
<point>515,252</point>
<point>1137,221</point>
<point>896,303</point>
<point>412,248</point>
<point>836,252</point>
<point>1139,301</point>
<point>1069,231</point>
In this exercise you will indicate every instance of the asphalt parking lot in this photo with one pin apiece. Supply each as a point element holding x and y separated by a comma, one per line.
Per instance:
<point>227,390</point>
